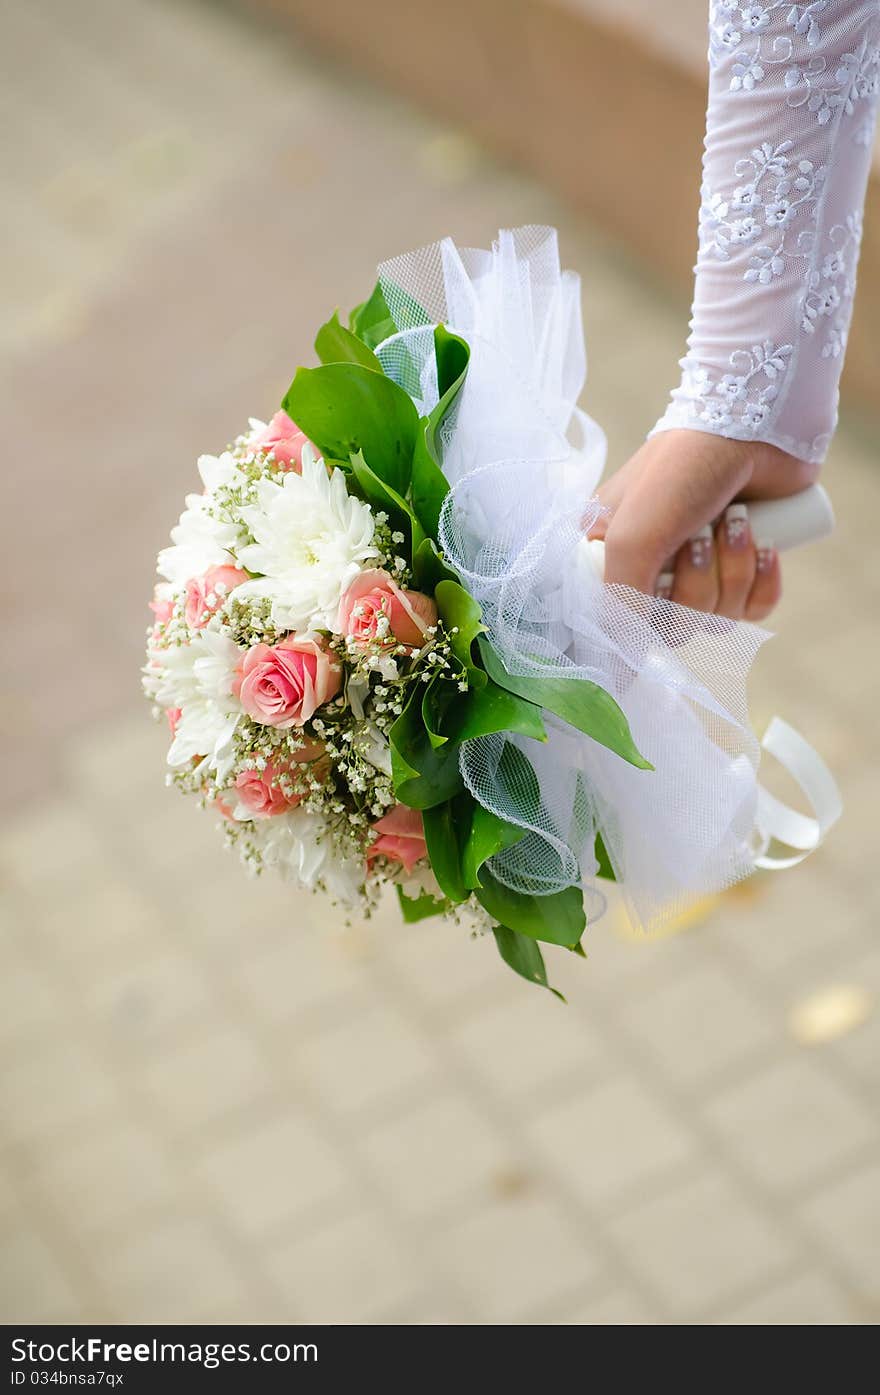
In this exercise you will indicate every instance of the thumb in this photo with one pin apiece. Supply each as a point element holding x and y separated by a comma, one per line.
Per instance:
<point>776,474</point>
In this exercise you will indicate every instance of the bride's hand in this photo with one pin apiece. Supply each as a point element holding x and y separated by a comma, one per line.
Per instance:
<point>673,531</point>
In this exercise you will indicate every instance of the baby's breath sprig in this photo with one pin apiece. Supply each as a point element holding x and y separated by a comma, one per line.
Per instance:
<point>248,622</point>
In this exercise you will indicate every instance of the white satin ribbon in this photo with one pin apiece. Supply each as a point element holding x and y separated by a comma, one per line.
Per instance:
<point>778,822</point>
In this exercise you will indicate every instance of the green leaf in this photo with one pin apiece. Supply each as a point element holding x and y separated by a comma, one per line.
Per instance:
<point>487,835</point>
<point>383,497</point>
<point>423,777</point>
<point>414,908</point>
<point>524,957</point>
<point>482,711</point>
<point>576,700</point>
<point>429,484</point>
<point>453,355</point>
<point>460,612</point>
<point>371,321</point>
<point>435,701</point>
<point>520,783</point>
<point>429,569</point>
<point>443,827</point>
<point>336,344</point>
<point>558,919</point>
<point>345,408</point>
<point>604,869</point>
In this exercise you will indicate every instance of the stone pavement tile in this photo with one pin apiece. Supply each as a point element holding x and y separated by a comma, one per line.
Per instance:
<point>366,1062</point>
<point>701,1244</point>
<point>354,1269</point>
<point>609,1141</point>
<point>101,1182</point>
<point>9,1200</point>
<point>57,1090</point>
<point>437,1155</point>
<point>528,1042</point>
<point>800,920</point>
<point>92,925</point>
<point>31,1002</point>
<point>811,1300</point>
<point>703,1024</point>
<point>441,963</point>
<point>273,1171</point>
<point>200,1081</point>
<point>34,1285</point>
<point>859,1051</point>
<point>177,1269</point>
<point>845,1218</point>
<point>52,848</point>
<point>120,764</point>
<point>137,1008</point>
<point>792,1123</point>
<point>610,1306</point>
<point>308,972</point>
<point>512,1257</point>
<point>620,961</point>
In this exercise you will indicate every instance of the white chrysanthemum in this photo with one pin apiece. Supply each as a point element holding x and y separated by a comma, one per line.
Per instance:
<point>299,846</point>
<point>310,538</point>
<point>200,540</point>
<point>198,678</point>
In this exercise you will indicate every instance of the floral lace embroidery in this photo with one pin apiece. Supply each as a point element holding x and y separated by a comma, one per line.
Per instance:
<point>855,79</point>
<point>768,217</point>
<point>775,193</point>
<point>832,286</point>
<point>742,398</point>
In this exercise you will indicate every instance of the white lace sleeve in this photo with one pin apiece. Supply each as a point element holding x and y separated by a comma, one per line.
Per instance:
<point>790,125</point>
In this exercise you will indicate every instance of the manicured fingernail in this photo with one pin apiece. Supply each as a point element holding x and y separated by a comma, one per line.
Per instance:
<point>701,549</point>
<point>737,533</point>
<point>665,583</point>
<point>765,555</point>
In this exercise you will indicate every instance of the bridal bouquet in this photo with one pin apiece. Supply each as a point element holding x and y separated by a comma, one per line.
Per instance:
<point>383,656</point>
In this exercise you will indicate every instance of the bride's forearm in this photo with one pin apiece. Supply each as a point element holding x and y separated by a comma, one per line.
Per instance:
<point>793,95</point>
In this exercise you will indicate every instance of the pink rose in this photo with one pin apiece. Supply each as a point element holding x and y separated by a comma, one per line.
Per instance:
<point>375,610</point>
<point>401,837</point>
<point>261,794</point>
<point>284,439</point>
<point>260,791</point>
<point>205,594</point>
<point>162,609</point>
<point>282,685</point>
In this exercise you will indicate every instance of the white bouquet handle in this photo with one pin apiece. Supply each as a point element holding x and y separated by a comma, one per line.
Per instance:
<point>785,523</point>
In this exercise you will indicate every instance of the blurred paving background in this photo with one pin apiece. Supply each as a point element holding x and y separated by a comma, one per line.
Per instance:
<point>215,1103</point>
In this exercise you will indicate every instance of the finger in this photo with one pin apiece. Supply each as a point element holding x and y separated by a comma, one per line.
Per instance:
<point>610,493</point>
<point>661,510</point>
<point>696,572</point>
<point>767,588</point>
<point>736,561</point>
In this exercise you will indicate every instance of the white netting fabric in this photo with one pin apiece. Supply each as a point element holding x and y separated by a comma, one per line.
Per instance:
<point>524,463</point>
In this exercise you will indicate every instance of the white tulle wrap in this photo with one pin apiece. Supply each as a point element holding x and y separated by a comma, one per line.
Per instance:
<point>524,462</point>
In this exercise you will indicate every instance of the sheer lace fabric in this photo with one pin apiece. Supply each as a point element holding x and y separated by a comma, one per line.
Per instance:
<point>793,94</point>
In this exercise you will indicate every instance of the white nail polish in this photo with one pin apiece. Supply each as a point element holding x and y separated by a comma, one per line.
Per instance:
<point>700,548</point>
<point>765,553</point>
<point>736,525</point>
<point>665,583</point>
